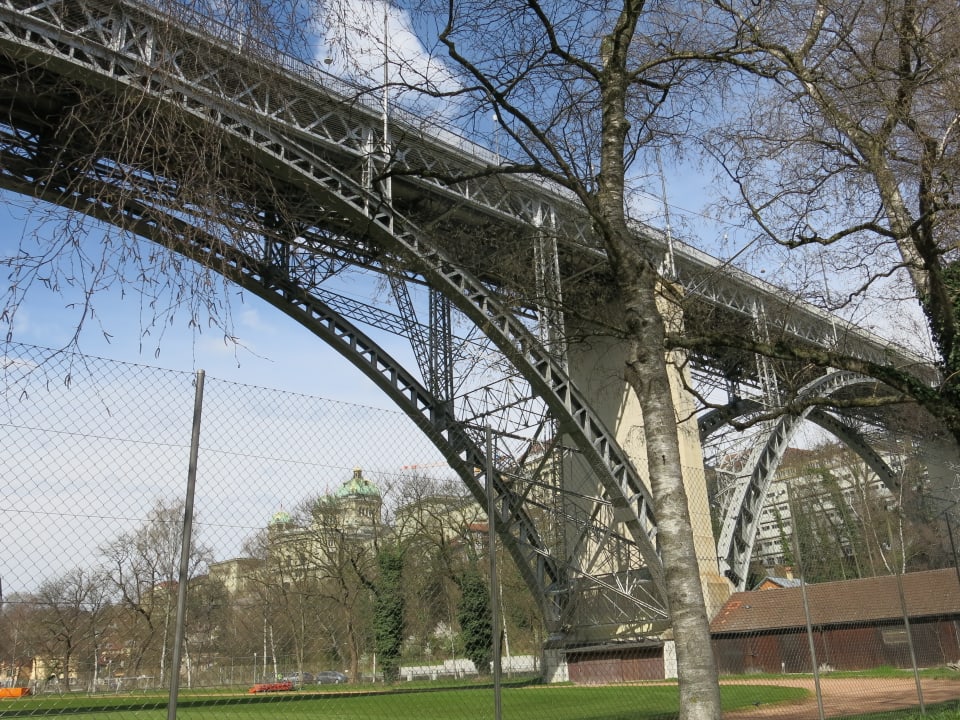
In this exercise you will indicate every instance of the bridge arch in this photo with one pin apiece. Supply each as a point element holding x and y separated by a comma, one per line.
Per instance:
<point>742,514</point>
<point>88,54</point>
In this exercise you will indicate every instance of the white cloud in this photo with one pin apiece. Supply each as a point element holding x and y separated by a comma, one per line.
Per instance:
<point>251,319</point>
<point>352,40</point>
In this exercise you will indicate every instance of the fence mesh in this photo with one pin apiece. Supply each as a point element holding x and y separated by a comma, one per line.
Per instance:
<point>338,569</point>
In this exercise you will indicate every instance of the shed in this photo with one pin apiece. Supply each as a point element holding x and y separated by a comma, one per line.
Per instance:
<point>857,624</point>
<point>615,663</point>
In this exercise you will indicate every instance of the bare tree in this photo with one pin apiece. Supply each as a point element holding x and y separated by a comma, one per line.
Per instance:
<point>578,89</point>
<point>288,593</point>
<point>17,646</point>
<point>840,141</point>
<point>434,522</point>
<point>345,565</point>
<point>68,614</point>
<point>143,567</point>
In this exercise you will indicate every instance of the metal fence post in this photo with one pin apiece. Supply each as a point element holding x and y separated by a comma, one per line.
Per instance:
<point>494,595</point>
<point>185,550</point>
<point>806,606</point>
<point>913,654</point>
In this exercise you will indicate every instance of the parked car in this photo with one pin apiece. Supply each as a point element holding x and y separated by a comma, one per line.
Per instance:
<point>330,677</point>
<point>299,678</point>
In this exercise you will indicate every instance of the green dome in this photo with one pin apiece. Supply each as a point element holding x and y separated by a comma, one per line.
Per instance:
<point>281,517</point>
<point>357,485</point>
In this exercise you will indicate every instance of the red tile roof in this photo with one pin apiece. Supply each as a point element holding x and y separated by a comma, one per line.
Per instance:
<point>928,594</point>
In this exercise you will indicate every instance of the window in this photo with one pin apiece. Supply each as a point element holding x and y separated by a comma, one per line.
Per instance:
<point>894,635</point>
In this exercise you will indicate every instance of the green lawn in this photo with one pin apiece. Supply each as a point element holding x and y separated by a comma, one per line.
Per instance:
<point>619,702</point>
<point>882,671</point>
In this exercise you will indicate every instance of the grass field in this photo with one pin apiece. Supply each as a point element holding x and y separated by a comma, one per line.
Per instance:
<point>882,671</point>
<point>536,702</point>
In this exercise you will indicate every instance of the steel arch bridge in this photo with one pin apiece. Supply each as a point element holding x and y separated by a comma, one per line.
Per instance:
<point>301,202</point>
<point>742,513</point>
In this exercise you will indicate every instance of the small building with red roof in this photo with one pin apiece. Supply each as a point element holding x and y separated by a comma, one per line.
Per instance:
<point>857,624</point>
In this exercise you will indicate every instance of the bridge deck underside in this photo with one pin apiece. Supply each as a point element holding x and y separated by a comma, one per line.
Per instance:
<point>252,199</point>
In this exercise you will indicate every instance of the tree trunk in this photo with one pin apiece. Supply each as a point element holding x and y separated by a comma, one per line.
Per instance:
<point>647,374</point>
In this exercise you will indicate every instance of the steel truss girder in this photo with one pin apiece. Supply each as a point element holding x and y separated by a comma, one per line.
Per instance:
<point>348,199</point>
<point>337,120</point>
<point>856,441</point>
<point>711,421</point>
<point>431,416</point>
<point>549,579</point>
<point>742,513</point>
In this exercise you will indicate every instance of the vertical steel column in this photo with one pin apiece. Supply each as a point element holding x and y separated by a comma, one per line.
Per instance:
<point>549,291</point>
<point>552,335</point>
<point>767,377</point>
<point>441,347</point>
<point>276,253</point>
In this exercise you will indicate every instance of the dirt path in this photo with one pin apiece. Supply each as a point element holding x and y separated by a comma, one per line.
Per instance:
<point>851,696</point>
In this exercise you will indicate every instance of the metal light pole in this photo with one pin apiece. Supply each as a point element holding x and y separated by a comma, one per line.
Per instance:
<point>495,621</point>
<point>386,184</point>
<point>386,75</point>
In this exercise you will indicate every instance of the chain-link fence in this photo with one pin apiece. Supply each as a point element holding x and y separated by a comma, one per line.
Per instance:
<point>338,569</point>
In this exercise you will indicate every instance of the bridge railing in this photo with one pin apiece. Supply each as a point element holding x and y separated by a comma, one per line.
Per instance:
<point>206,22</point>
<point>742,291</point>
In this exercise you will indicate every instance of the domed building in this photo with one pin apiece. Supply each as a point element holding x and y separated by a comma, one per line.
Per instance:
<point>281,528</point>
<point>354,508</point>
<point>349,516</point>
<point>281,520</point>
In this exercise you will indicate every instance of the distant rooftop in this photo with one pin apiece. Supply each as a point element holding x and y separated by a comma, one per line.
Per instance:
<point>780,582</point>
<point>932,593</point>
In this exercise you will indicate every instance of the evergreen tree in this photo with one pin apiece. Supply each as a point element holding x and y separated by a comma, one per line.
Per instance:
<point>475,618</point>
<point>388,611</point>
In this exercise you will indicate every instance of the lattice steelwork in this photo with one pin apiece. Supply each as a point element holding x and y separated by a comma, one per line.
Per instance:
<point>742,511</point>
<point>126,51</point>
<point>313,136</point>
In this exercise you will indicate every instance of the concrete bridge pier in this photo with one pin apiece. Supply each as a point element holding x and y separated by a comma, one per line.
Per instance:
<point>597,367</point>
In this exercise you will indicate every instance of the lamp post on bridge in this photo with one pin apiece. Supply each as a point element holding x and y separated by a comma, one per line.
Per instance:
<point>386,184</point>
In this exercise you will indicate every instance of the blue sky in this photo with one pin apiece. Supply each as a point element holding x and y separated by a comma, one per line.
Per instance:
<point>75,476</point>
<point>272,350</point>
